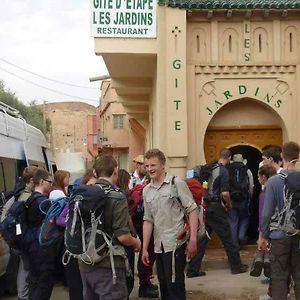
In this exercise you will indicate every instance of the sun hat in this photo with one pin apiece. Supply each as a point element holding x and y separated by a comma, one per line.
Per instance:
<point>239,158</point>
<point>139,159</point>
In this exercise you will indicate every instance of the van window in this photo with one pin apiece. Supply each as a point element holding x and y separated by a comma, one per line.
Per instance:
<point>2,179</point>
<point>9,172</point>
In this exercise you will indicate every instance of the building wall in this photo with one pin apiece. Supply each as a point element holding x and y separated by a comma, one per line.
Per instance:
<point>114,141</point>
<point>125,143</point>
<point>241,73</point>
<point>213,69</point>
<point>69,129</point>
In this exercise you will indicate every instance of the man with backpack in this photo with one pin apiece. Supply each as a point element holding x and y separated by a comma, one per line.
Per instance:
<point>98,278</point>
<point>22,285</point>
<point>281,224</point>
<point>164,216</point>
<point>241,190</point>
<point>217,199</point>
<point>22,191</point>
<point>136,209</point>
<point>41,263</point>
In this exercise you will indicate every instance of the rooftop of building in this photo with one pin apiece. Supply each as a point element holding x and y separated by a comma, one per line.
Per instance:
<point>232,4</point>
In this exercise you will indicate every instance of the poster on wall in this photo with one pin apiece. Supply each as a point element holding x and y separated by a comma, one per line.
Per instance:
<point>123,18</point>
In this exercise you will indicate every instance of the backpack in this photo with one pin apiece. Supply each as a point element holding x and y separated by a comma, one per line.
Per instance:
<point>8,198</point>
<point>85,235</point>
<point>203,172</point>
<point>289,216</point>
<point>51,234</point>
<point>14,227</point>
<point>197,191</point>
<point>136,205</point>
<point>238,182</point>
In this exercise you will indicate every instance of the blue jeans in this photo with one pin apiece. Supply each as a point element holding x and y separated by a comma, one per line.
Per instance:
<point>238,224</point>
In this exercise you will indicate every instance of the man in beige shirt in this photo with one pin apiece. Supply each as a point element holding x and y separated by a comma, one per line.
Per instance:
<point>164,215</point>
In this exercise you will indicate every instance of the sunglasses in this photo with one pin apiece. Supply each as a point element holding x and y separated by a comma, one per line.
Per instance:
<point>48,180</point>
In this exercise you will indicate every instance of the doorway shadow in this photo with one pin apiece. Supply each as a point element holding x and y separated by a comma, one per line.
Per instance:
<point>253,156</point>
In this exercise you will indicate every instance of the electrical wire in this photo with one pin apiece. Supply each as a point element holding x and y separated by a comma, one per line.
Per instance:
<point>46,88</point>
<point>47,78</point>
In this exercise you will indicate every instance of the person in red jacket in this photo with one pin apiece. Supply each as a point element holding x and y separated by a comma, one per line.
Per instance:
<point>136,210</point>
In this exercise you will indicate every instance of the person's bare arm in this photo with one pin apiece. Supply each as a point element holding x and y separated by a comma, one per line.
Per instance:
<point>226,200</point>
<point>147,232</point>
<point>192,244</point>
<point>129,241</point>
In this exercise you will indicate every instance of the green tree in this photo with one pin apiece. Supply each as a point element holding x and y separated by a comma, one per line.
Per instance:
<point>33,113</point>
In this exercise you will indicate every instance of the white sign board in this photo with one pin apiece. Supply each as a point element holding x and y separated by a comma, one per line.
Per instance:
<point>123,18</point>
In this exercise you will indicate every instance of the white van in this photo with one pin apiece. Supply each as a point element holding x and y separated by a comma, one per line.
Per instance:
<point>22,145</point>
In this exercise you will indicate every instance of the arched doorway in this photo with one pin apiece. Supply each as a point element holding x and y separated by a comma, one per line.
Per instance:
<point>253,156</point>
<point>245,126</point>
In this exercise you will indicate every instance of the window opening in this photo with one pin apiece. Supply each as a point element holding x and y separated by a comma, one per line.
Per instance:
<point>118,122</point>
<point>230,43</point>
<point>291,41</point>
<point>259,43</point>
<point>198,43</point>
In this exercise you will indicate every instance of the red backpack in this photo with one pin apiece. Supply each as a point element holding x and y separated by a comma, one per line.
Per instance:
<point>197,191</point>
<point>136,205</point>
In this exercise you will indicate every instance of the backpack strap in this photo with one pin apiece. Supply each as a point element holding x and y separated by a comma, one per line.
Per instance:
<point>212,178</point>
<point>283,176</point>
<point>112,192</point>
<point>174,195</point>
<point>29,201</point>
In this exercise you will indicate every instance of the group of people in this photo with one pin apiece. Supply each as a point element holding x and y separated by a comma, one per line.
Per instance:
<point>148,221</point>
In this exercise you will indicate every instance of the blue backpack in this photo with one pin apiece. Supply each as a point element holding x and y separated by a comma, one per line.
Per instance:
<point>14,228</point>
<point>50,233</point>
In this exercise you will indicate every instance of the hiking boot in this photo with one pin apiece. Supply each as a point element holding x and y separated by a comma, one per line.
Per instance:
<point>148,292</point>
<point>257,264</point>
<point>153,286</point>
<point>267,266</point>
<point>241,269</point>
<point>191,274</point>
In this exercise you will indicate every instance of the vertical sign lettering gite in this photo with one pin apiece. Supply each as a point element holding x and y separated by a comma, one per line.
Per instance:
<point>123,18</point>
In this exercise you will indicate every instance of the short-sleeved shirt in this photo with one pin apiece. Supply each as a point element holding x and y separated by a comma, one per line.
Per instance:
<point>135,180</point>
<point>116,224</point>
<point>164,212</point>
<point>219,180</point>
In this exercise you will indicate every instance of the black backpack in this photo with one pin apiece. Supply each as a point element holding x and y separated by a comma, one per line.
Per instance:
<point>203,172</point>
<point>288,218</point>
<point>238,182</point>
<point>14,226</point>
<point>8,198</point>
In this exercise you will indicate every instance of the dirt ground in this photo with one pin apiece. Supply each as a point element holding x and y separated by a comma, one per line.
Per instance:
<point>204,296</point>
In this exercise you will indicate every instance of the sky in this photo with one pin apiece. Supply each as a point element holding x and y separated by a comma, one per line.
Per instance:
<point>50,38</point>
